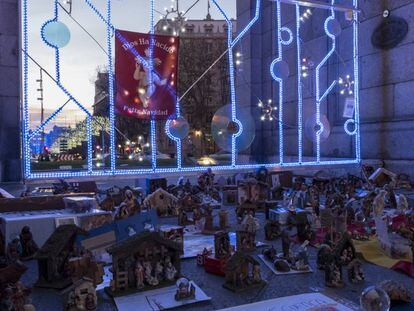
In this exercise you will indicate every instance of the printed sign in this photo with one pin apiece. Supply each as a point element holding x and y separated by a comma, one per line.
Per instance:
<point>136,95</point>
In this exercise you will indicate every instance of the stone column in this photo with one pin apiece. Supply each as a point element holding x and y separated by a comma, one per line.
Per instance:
<point>10,141</point>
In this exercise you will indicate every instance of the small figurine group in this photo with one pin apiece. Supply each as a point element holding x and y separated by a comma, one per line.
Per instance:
<point>21,247</point>
<point>298,261</point>
<point>331,258</point>
<point>152,275</point>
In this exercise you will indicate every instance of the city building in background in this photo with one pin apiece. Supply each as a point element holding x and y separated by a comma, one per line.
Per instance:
<point>202,42</point>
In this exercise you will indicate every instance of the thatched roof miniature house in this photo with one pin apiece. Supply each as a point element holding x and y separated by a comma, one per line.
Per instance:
<point>164,202</point>
<point>54,255</point>
<point>147,249</point>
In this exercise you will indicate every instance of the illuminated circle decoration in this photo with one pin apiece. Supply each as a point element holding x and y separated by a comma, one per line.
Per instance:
<point>279,69</point>
<point>179,127</point>
<point>346,127</point>
<point>233,128</point>
<point>223,128</point>
<point>56,34</point>
<point>312,128</point>
<point>289,33</point>
<point>333,27</point>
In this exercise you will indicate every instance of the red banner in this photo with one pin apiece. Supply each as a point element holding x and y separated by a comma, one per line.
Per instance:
<point>134,95</point>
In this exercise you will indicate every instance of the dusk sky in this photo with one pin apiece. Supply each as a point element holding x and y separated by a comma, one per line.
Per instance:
<point>82,56</point>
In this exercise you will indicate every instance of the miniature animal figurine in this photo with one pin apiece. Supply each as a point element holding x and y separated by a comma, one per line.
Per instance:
<point>396,291</point>
<point>270,253</point>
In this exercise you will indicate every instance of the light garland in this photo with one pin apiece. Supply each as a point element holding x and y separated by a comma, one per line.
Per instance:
<point>306,66</point>
<point>347,85</point>
<point>268,110</point>
<point>305,15</point>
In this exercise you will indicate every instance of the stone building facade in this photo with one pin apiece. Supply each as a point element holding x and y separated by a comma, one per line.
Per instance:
<point>386,84</point>
<point>10,164</point>
<point>202,42</point>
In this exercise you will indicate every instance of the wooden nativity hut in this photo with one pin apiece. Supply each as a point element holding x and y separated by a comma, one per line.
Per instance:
<point>239,272</point>
<point>144,261</point>
<point>54,255</point>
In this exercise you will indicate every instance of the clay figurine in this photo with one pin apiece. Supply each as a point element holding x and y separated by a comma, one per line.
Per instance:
<point>256,275</point>
<point>379,203</point>
<point>29,246</point>
<point>285,244</point>
<point>139,275</point>
<point>222,247</point>
<point>170,272</point>
<point>272,230</point>
<point>302,258</point>
<point>355,273</point>
<point>14,250</point>
<point>333,274</point>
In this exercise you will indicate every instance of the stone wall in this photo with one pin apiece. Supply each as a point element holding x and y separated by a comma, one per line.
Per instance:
<point>386,84</point>
<point>10,164</point>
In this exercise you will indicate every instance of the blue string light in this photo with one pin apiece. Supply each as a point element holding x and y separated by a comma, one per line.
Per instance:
<point>89,138</point>
<point>300,100</point>
<point>151,87</point>
<point>46,122</point>
<point>109,31</point>
<point>230,44</point>
<point>279,80</point>
<point>319,98</point>
<point>356,85</point>
<point>26,140</point>
<point>72,174</point>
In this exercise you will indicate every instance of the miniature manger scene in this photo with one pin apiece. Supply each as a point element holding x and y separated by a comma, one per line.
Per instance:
<point>243,272</point>
<point>163,202</point>
<point>142,262</point>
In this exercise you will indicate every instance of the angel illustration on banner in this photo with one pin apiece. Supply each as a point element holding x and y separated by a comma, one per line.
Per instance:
<point>141,74</point>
